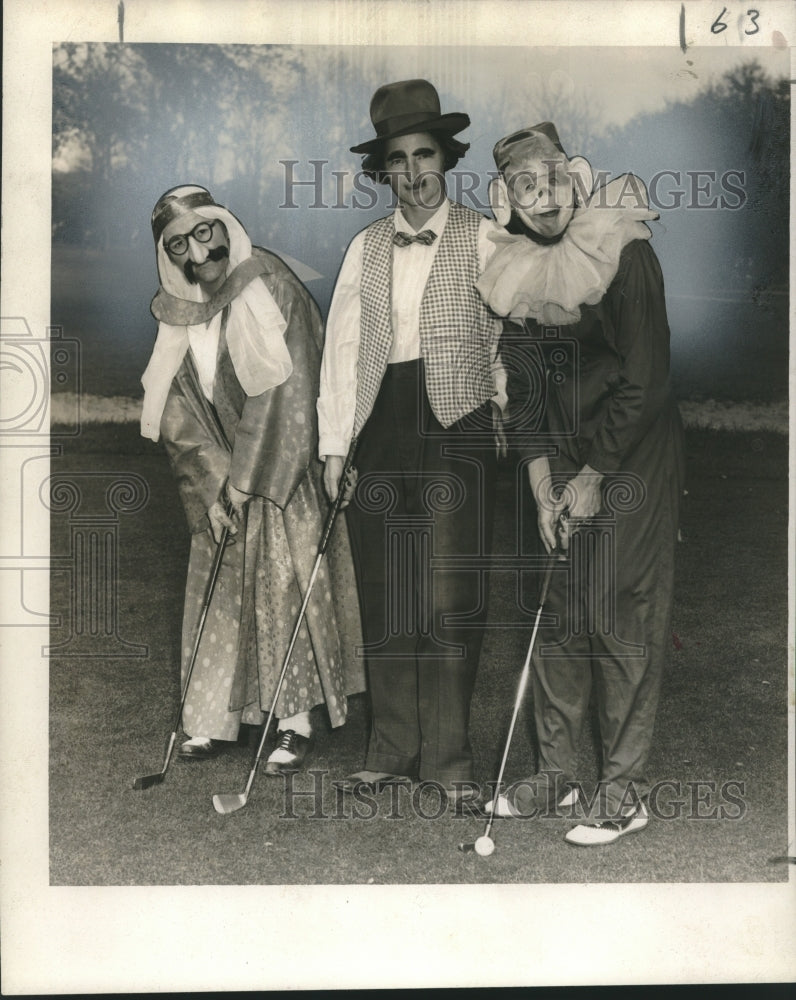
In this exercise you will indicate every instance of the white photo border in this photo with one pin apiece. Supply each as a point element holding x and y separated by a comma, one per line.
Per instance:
<point>143,939</point>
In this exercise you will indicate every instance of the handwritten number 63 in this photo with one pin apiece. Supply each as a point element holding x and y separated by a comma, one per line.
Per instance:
<point>719,25</point>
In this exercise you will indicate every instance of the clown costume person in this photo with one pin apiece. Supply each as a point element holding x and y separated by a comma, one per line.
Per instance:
<point>231,388</point>
<point>582,291</point>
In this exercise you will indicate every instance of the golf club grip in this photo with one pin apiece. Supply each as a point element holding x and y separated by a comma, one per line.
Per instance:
<point>552,559</point>
<point>333,511</point>
<point>216,566</point>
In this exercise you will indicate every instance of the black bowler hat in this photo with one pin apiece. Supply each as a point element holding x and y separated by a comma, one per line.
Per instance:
<point>406,107</point>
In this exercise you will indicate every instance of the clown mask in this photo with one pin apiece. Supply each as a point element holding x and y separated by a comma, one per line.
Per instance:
<point>542,190</point>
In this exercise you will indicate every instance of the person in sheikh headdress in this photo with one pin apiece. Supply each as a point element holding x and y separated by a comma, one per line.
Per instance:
<point>231,388</point>
<point>587,338</point>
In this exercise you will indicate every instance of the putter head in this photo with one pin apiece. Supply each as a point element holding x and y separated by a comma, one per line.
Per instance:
<point>467,848</point>
<point>229,803</point>
<point>148,780</point>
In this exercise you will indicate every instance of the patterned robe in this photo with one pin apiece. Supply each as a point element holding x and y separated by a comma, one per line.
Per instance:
<point>266,445</point>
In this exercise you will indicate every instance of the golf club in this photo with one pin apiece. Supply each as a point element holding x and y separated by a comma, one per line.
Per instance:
<point>155,779</point>
<point>484,845</point>
<point>232,801</point>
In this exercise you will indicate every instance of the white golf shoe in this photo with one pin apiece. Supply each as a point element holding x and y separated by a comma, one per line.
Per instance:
<point>602,834</point>
<point>505,809</point>
<point>200,748</point>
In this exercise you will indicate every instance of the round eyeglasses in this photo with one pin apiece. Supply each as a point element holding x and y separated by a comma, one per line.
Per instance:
<point>202,233</point>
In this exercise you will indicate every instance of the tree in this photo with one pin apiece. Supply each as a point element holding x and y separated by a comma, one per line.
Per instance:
<point>100,99</point>
<point>578,116</point>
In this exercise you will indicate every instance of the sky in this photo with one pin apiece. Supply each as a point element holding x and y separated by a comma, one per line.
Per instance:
<point>623,81</point>
<point>615,84</point>
<point>316,102</point>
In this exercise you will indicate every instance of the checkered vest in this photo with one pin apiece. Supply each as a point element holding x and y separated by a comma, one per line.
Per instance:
<point>456,331</point>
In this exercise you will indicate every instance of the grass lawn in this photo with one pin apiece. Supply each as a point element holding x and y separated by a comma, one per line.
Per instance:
<point>722,717</point>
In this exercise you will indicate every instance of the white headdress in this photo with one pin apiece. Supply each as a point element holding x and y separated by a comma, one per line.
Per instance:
<point>255,327</point>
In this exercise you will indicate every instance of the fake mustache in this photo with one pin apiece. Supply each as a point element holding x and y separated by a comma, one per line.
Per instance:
<point>217,253</point>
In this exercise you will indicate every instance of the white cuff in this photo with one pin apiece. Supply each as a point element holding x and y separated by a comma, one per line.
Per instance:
<point>328,444</point>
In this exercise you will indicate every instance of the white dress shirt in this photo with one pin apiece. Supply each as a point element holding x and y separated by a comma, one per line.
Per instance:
<point>203,341</point>
<point>411,269</point>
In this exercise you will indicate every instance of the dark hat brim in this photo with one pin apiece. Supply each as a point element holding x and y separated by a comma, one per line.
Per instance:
<point>451,123</point>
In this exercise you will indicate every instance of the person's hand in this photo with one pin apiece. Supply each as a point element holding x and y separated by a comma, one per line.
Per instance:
<point>332,474</point>
<point>237,500</point>
<point>584,494</point>
<point>349,485</point>
<point>552,523</point>
<point>333,470</point>
<point>563,530</point>
<point>220,519</point>
<point>581,499</point>
<point>550,502</point>
<point>501,442</point>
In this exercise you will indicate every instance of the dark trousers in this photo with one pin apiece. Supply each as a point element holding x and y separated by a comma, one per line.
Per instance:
<point>611,602</point>
<point>424,497</point>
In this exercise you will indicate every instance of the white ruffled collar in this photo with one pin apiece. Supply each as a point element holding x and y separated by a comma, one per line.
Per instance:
<point>549,283</point>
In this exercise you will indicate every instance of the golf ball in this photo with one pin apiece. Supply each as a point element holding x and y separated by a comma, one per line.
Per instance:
<point>484,846</point>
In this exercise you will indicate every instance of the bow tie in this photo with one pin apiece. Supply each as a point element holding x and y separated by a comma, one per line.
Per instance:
<point>426,237</point>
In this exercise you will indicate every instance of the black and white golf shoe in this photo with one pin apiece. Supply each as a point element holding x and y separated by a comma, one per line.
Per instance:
<point>289,753</point>
<point>602,834</point>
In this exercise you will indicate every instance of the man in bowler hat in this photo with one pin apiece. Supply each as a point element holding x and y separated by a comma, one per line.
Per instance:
<point>409,369</point>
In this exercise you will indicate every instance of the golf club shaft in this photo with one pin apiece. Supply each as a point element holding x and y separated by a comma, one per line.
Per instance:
<point>285,664</point>
<point>210,587</point>
<point>322,546</point>
<point>215,569</point>
<point>551,560</point>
